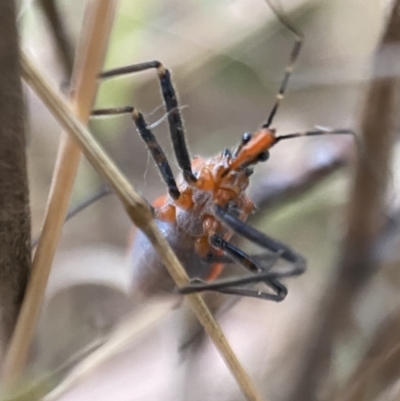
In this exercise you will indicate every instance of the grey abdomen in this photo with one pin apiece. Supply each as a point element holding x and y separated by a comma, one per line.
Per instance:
<point>149,276</point>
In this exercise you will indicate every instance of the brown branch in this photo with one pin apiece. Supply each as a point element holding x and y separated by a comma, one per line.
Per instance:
<point>14,202</point>
<point>366,216</point>
<point>89,61</point>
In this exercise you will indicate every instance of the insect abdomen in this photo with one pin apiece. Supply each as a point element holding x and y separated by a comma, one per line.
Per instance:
<point>149,276</point>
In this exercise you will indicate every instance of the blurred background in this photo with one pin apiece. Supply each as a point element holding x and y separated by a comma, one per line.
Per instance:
<point>227,58</point>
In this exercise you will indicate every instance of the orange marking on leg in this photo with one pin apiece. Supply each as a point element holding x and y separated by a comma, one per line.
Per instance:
<point>197,163</point>
<point>211,226</point>
<point>202,246</point>
<point>185,201</point>
<point>166,213</point>
<point>216,270</point>
<point>205,180</point>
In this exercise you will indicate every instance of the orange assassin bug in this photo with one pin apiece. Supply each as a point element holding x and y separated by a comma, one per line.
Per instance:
<point>207,205</point>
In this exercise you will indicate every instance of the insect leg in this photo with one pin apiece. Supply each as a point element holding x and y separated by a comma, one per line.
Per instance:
<point>237,286</point>
<point>105,191</point>
<point>261,239</point>
<point>292,61</point>
<point>151,143</point>
<point>260,273</point>
<point>172,106</point>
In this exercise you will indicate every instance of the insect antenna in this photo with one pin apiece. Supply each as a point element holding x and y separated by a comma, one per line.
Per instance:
<point>318,132</point>
<point>299,37</point>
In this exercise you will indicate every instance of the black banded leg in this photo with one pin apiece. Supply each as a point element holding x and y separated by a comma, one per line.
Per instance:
<point>260,273</point>
<point>151,143</point>
<point>237,286</point>
<point>267,259</point>
<point>241,257</point>
<point>292,61</point>
<point>257,237</point>
<point>172,106</point>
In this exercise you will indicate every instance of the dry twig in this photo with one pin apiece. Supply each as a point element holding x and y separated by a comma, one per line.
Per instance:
<point>90,59</point>
<point>14,202</point>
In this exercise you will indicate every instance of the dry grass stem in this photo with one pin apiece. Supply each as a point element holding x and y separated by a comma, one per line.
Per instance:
<point>90,55</point>
<point>139,212</point>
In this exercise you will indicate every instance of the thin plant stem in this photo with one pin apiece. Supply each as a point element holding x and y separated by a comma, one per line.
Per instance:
<point>90,55</point>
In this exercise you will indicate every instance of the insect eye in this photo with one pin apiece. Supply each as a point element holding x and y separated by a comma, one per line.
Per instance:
<point>246,137</point>
<point>263,156</point>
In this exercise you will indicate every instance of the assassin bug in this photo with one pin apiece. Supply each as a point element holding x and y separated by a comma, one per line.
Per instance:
<point>207,205</point>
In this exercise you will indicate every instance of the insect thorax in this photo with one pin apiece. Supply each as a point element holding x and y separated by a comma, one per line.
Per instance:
<point>193,211</point>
